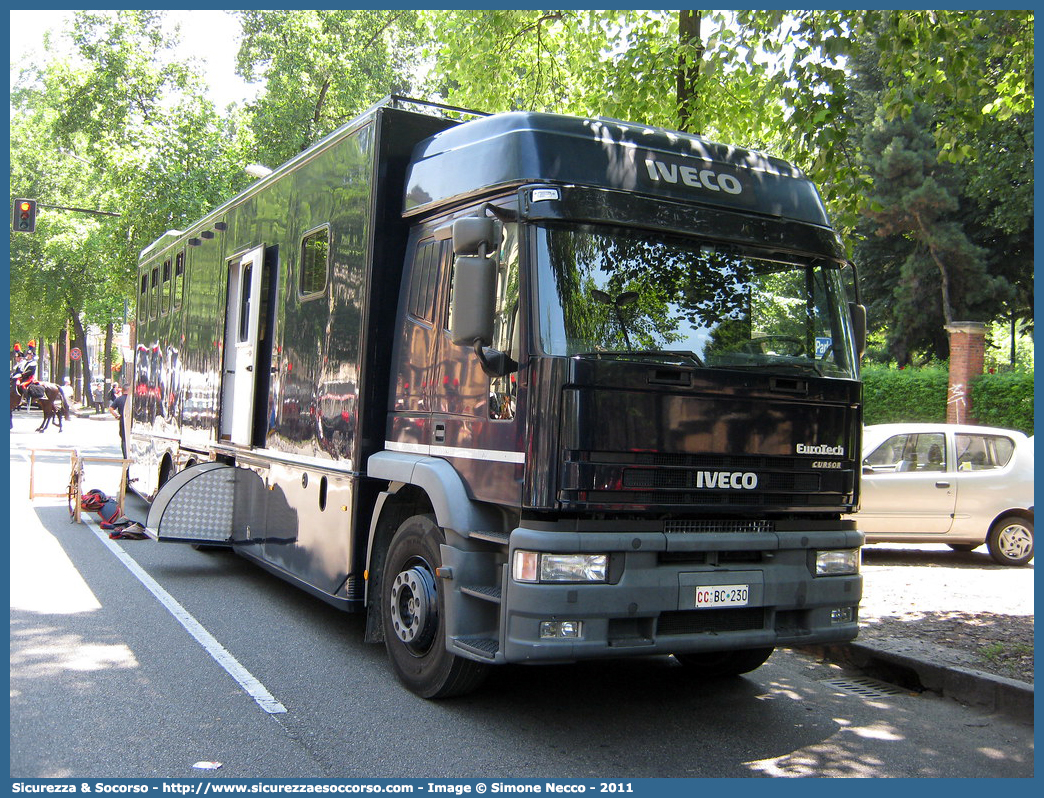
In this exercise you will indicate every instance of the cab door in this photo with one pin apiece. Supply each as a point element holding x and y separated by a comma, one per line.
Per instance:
<point>477,420</point>
<point>242,316</point>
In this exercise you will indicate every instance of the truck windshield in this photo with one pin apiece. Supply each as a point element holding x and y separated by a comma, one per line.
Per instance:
<point>625,294</point>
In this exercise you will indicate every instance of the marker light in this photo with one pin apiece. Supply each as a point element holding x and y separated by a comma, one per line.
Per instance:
<point>842,615</point>
<point>561,630</point>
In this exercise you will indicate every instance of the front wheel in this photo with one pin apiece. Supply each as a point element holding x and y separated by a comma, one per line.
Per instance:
<point>725,663</point>
<point>413,615</point>
<point>1010,541</point>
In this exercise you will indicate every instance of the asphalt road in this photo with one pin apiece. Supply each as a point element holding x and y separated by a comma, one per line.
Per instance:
<point>107,682</point>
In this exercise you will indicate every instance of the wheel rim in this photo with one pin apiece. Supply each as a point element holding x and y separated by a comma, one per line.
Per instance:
<point>415,607</point>
<point>1015,541</point>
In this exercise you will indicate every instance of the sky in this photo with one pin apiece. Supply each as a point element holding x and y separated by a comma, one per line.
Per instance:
<point>210,36</point>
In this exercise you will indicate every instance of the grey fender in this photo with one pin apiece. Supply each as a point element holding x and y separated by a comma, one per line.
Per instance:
<point>455,511</point>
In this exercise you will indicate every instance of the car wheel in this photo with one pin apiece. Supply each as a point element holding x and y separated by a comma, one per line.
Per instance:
<point>413,615</point>
<point>725,663</point>
<point>964,546</point>
<point>1011,540</point>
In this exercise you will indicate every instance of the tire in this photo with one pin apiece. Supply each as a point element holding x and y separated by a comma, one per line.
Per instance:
<point>413,615</point>
<point>725,663</point>
<point>964,546</point>
<point>1011,540</point>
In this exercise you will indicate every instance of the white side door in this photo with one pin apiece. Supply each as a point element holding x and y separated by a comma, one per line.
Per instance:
<point>241,334</point>
<point>912,490</point>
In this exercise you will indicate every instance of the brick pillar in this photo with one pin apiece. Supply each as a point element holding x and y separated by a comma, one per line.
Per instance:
<point>967,357</point>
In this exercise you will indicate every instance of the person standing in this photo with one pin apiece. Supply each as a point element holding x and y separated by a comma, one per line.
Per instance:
<point>67,392</point>
<point>117,407</point>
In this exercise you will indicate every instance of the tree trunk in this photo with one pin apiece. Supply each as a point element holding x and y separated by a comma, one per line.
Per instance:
<point>947,307</point>
<point>107,373</point>
<point>688,67</point>
<point>61,356</point>
<point>80,341</point>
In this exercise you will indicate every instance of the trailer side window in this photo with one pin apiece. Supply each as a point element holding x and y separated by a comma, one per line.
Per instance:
<point>179,278</point>
<point>143,297</point>
<point>165,293</point>
<point>315,257</point>
<point>154,299</point>
<point>423,282</point>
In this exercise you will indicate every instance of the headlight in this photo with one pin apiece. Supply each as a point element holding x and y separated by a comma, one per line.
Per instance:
<point>837,562</point>
<point>534,566</point>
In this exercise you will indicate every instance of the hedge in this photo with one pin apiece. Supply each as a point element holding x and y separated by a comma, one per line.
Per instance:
<point>1004,400</point>
<point>903,395</point>
<point>919,395</point>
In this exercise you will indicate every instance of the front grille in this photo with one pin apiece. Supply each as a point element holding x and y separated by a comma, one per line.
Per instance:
<point>687,622</point>
<point>678,479</point>
<point>721,525</point>
<point>751,482</point>
<point>707,462</point>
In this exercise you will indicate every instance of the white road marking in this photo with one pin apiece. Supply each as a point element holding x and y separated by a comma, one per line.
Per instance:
<point>246,680</point>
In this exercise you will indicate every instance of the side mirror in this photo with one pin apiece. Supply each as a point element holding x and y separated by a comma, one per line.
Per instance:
<point>858,313</point>
<point>474,291</point>
<point>476,235</point>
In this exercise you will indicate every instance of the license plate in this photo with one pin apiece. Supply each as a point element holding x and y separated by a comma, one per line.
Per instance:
<point>722,595</point>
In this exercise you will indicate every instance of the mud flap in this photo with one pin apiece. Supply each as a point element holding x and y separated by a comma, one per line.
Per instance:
<point>208,503</point>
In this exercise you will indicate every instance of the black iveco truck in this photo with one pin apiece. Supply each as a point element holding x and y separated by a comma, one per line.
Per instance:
<point>524,389</point>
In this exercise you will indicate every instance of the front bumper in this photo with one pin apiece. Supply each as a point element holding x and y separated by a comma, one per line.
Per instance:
<point>648,606</point>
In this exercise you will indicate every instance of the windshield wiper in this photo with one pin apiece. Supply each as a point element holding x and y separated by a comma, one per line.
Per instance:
<point>769,366</point>
<point>664,354</point>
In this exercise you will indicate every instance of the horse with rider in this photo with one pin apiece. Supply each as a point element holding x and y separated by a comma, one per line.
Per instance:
<point>25,386</point>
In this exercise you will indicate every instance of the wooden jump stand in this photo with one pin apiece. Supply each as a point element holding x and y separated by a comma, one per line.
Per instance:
<point>74,490</point>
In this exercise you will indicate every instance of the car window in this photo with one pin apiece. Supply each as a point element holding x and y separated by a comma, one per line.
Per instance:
<point>924,451</point>
<point>983,452</point>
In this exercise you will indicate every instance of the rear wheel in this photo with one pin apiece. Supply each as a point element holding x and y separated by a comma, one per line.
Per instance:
<point>413,615</point>
<point>1011,540</point>
<point>725,663</point>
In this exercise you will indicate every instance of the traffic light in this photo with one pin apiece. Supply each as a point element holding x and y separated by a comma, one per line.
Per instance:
<point>24,216</point>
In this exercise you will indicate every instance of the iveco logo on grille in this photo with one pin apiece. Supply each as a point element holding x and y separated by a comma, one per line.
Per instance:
<point>727,480</point>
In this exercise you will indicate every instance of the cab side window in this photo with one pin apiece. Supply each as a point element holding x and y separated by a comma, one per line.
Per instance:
<point>424,281</point>
<point>506,325</point>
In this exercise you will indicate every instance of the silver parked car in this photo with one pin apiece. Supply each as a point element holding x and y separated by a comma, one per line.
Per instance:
<point>949,483</point>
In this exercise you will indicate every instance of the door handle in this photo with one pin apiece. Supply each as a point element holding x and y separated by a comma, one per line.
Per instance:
<point>942,484</point>
<point>440,433</point>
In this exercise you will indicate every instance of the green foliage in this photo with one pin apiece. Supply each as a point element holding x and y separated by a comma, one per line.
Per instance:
<point>976,66</point>
<point>320,69</point>
<point>899,395</point>
<point>118,126</point>
<point>942,277</point>
<point>122,125</point>
<point>939,242</point>
<point>1004,400</point>
<point>904,395</point>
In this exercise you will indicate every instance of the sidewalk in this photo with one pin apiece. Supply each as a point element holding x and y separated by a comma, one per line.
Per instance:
<point>952,623</point>
<point>921,664</point>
